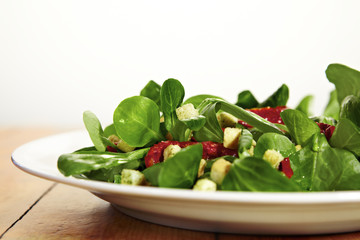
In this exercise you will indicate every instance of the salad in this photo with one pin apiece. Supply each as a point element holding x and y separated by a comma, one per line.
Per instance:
<point>206,143</point>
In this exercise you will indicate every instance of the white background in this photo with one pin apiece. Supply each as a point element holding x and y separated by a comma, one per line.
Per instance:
<point>60,58</point>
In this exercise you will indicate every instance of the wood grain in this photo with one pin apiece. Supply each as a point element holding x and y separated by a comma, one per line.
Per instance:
<point>18,189</point>
<point>71,213</point>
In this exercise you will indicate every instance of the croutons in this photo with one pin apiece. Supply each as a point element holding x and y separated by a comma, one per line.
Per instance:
<point>298,147</point>
<point>227,120</point>
<point>205,185</point>
<point>202,167</point>
<point>273,157</point>
<point>114,139</point>
<point>219,169</point>
<point>132,177</point>
<point>231,137</point>
<point>170,151</point>
<point>186,111</point>
<point>252,148</point>
<point>123,146</point>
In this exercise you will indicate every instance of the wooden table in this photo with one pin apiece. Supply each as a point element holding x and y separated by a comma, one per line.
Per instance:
<point>33,208</point>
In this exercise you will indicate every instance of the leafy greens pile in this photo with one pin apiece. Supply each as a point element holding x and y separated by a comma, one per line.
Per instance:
<point>320,164</point>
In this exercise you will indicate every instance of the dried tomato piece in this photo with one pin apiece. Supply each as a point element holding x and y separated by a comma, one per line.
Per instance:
<point>285,167</point>
<point>211,150</point>
<point>326,129</point>
<point>111,149</point>
<point>268,113</point>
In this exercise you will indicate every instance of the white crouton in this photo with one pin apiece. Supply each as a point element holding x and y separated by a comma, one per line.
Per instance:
<point>123,146</point>
<point>231,137</point>
<point>170,151</point>
<point>252,148</point>
<point>114,139</point>
<point>205,185</point>
<point>219,169</point>
<point>186,111</point>
<point>227,120</point>
<point>202,167</point>
<point>298,147</point>
<point>273,157</point>
<point>132,177</point>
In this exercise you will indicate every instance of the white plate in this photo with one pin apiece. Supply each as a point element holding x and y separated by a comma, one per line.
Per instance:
<point>231,212</point>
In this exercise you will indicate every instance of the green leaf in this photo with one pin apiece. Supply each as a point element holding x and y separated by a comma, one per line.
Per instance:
<point>197,99</point>
<point>85,160</point>
<point>152,91</point>
<point>246,100</point>
<point>317,166</point>
<point>137,121</point>
<point>256,175</point>
<point>109,174</point>
<point>110,130</point>
<point>245,142</point>
<point>278,98</point>
<point>171,96</point>
<point>346,136</point>
<point>195,123</point>
<point>249,117</point>
<point>305,104</point>
<point>350,179</point>
<point>93,126</point>
<point>350,109</point>
<point>152,173</point>
<point>211,131</point>
<point>180,171</point>
<point>274,141</point>
<point>332,109</point>
<point>346,80</point>
<point>300,127</point>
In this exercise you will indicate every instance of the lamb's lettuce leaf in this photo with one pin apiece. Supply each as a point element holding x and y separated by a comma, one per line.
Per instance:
<point>137,121</point>
<point>180,171</point>
<point>300,127</point>
<point>256,175</point>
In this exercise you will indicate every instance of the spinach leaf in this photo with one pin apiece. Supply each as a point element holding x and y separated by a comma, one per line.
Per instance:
<point>346,80</point>
<point>346,136</point>
<point>96,133</point>
<point>137,121</point>
<point>110,130</point>
<point>211,131</point>
<point>246,100</point>
<point>350,109</point>
<point>85,160</point>
<point>108,174</point>
<point>180,171</point>
<point>304,105</point>
<point>332,109</point>
<point>180,131</point>
<point>197,99</point>
<point>152,91</point>
<point>274,141</point>
<point>251,118</point>
<point>300,127</point>
<point>256,175</point>
<point>152,173</point>
<point>350,179</point>
<point>171,96</point>
<point>245,142</point>
<point>195,123</point>
<point>317,166</point>
<point>278,98</point>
